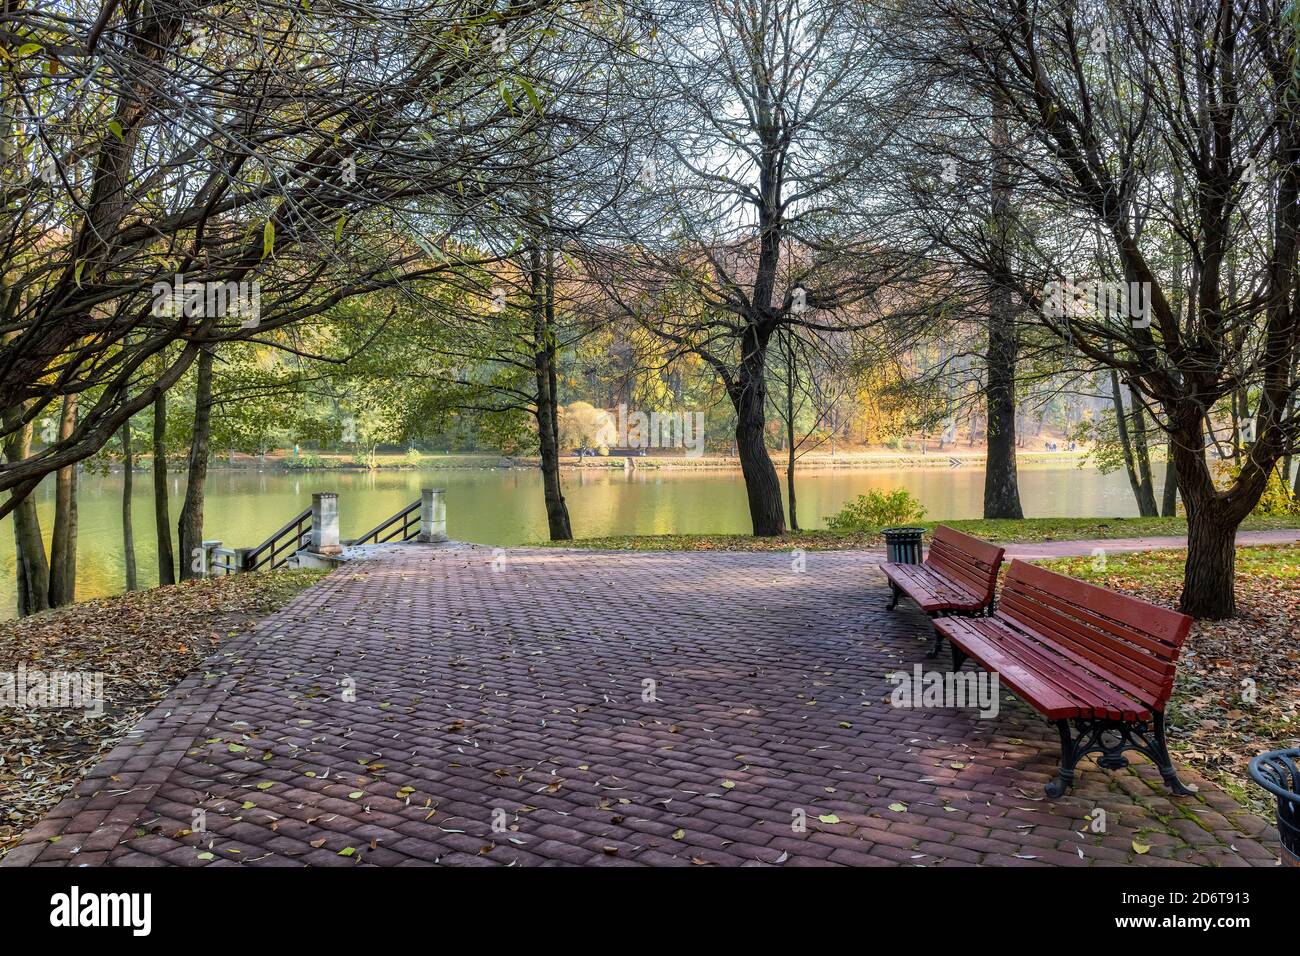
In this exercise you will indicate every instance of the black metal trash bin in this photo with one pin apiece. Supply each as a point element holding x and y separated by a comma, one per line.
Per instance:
<point>903,545</point>
<point>1278,773</point>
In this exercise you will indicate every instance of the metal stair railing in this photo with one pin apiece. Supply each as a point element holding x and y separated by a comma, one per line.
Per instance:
<point>403,526</point>
<point>281,546</point>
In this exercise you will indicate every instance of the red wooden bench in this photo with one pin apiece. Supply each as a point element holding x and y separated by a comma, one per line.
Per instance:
<point>957,577</point>
<point>1079,653</point>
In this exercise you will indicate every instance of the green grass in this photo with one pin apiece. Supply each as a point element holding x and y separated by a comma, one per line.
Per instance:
<point>1002,531</point>
<point>279,587</point>
<point>428,461</point>
<point>1163,570</point>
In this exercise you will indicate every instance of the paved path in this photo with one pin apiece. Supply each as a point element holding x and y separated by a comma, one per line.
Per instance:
<point>459,706</point>
<point>1079,549</point>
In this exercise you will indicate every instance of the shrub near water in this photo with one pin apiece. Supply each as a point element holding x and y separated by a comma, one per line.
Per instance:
<point>1278,499</point>
<point>876,510</point>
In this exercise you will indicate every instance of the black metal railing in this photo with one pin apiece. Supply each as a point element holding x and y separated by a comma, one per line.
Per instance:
<point>281,546</point>
<point>402,526</point>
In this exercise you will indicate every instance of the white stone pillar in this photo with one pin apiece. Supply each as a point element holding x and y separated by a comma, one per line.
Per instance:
<point>208,548</point>
<point>325,523</point>
<point>433,515</point>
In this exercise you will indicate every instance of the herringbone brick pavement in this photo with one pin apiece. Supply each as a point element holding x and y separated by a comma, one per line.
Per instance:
<point>469,706</point>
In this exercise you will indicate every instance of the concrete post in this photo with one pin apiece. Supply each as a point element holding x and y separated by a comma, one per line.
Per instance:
<point>208,548</point>
<point>325,523</point>
<point>433,515</point>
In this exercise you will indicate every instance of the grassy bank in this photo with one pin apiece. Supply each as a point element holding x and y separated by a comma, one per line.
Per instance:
<point>1215,726</point>
<point>1001,531</point>
<point>435,461</point>
<point>143,643</point>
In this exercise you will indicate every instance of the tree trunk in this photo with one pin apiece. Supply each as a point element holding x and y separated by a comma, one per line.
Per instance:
<point>31,567</point>
<point>1001,487</point>
<point>1288,459</point>
<point>1169,507</point>
<point>128,528</point>
<point>791,503</point>
<point>1177,300</point>
<point>63,542</point>
<point>557,510</point>
<point>789,486</point>
<point>791,378</point>
<point>190,526</point>
<point>548,432</point>
<point>1142,455</point>
<point>1208,577</point>
<point>161,509</point>
<point>748,393</point>
<point>1211,526</point>
<point>1139,477</point>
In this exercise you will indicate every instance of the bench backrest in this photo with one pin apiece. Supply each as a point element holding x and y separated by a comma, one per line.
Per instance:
<point>1128,642</point>
<point>969,561</point>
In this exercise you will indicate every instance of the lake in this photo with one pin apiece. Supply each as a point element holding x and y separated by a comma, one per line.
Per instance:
<point>504,506</point>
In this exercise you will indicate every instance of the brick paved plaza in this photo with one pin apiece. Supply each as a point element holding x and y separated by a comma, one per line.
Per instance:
<point>499,720</point>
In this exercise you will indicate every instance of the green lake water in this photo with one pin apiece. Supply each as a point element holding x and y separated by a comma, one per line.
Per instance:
<point>504,506</point>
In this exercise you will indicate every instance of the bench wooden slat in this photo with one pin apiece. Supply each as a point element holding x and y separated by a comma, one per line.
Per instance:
<point>1072,643</point>
<point>982,551</point>
<point>1091,694</point>
<point>931,591</point>
<point>1087,695</point>
<point>942,560</point>
<point>1024,681</point>
<point>1170,628</point>
<point>958,574</point>
<point>1130,642</point>
<point>1108,658</point>
<point>1133,646</point>
<point>970,558</point>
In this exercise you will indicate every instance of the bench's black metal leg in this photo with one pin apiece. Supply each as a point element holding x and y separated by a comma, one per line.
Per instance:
<point>938,645</point>
<point>958,655</point>
<point>1161,754</point>
<point>1069,758</point>
<point>1110,739</point>
<point>893,603</point>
